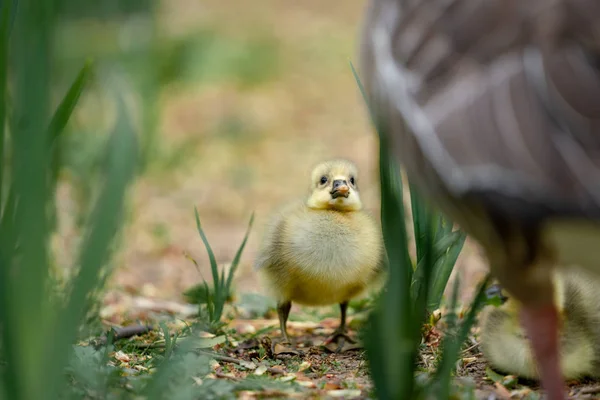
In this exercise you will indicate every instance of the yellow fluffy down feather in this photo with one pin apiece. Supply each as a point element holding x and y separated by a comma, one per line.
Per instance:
<point>577,296</point>
<point>324,249</point>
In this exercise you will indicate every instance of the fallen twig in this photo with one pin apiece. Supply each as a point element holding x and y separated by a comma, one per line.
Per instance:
<point>590,390</point>
<point>470,348</point>
<point>123,333</point>
<point>232,360</point>
<point>224,376</point>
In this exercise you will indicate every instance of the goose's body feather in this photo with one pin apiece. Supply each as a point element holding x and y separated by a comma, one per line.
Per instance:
<point>493,109</point>
<point>500,99</point>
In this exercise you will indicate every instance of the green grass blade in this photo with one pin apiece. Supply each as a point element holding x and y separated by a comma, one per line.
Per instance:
<point>443,271</point>
<point>236,259</point>
<point>420,214</point>
<point>103,226</point>
<point>220,295</point>
<point>211,255</point>
<point>168,342</point>
<point>444,227</point>
<point>213,263</point>
<point>440,264</point>
<point>425,270</point>
<point>443,244</point>
<point>210,303</point>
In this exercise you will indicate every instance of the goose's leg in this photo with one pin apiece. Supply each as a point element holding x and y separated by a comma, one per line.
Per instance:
<point>541,325</point>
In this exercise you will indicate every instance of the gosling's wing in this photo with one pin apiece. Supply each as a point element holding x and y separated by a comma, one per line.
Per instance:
<point>271,244</point>
<point>494,98</point>
<point>275,237</point>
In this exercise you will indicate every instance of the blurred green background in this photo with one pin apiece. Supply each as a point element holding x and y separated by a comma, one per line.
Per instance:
<point>236,101</point>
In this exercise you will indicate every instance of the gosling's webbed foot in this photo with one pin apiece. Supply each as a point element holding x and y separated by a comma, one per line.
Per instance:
<point>284,347</point>
<point>340,337</point>
<point>337,334</point>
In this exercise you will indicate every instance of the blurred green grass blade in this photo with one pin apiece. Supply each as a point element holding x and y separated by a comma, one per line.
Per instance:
<point>103,226</point>
<point>63,114</point>
<point>443,374</point>
<point>65,109</point>
<point>5,26</point>
<point>30,80</point>
<point>159,386</point>
<point>236,259</point>
<point>8,235</point>
<point>452,343</point>
<point>8,310</point>
<point>378,354</point>
<point>168,341</point>
<point>394,328</point>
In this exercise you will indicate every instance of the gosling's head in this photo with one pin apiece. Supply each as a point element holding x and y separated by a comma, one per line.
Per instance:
<point>510,309</point>
<point>334,186</point>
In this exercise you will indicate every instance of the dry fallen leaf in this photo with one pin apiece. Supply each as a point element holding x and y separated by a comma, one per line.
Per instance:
<point>197,381</point>
<point>287,378</point>
<point>332,386</point>
<point>260,370</point>
<point>345,393</point>
<point>248,364</point>
<point>332,347</point>
<point>281,349</point>
<point>119,355</point>
<point>304,366</point>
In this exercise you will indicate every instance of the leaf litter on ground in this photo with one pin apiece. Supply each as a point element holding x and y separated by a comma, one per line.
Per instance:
<point>236,363</point>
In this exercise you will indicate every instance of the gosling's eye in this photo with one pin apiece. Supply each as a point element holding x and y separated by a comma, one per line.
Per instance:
<point>352,180</point>
<point>323,180</point>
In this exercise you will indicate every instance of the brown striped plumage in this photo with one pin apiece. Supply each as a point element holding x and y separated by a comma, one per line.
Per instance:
<point>494,112</point>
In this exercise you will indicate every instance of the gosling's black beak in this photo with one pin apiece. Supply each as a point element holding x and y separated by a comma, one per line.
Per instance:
<point>495,290</point>
<point>340,188</point>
